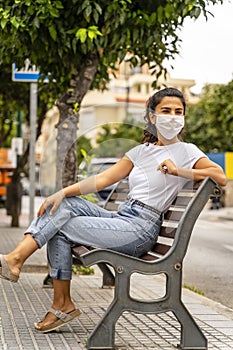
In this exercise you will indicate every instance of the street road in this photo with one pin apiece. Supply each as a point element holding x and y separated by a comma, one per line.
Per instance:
<point>208,265</point>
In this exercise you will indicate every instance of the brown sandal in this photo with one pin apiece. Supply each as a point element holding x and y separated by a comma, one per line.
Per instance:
<point>5,271</point>
<point>63,319</point>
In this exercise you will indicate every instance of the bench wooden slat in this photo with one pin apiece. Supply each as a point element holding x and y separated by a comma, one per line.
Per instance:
<point>80,250</point>
<point>173,215</point>
<point>111,206</point>
<point>170,223</point>
<point>149,257</point>
<point>186,193</point>
<point>168,232</point>
<point>161,248</point>
<point>123,185</point>
<point>182,201</point>
<point>176,208</point>
<point>120,196</point>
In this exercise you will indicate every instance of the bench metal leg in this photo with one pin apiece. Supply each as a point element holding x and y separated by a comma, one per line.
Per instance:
<point>191,335</point>
<point>48,281</point>
<point>103,336</point>
<point>108,277</point>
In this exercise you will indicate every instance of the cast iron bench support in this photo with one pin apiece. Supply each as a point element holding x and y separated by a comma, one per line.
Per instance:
<point>166,259</point>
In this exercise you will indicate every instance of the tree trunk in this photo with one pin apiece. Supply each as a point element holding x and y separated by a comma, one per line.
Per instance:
<point>14,193</point>
<point>66,167</point>
<point>66,147</point>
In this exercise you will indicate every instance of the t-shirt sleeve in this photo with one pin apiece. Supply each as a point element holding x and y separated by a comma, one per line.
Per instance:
<point>195,154</point>
<point>134,153</point>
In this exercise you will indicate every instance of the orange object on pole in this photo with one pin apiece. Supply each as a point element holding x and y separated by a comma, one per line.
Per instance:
<point>6,168</point>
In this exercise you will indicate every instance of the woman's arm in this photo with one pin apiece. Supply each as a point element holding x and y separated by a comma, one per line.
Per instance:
<point>97,182</point>
<point>91,184</point>
<point>205,167</point>
<point>202,168</point>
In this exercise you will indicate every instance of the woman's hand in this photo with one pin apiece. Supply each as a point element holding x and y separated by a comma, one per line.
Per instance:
<point>168,167</point>
<point>54,200</point>
<point>202,168</point>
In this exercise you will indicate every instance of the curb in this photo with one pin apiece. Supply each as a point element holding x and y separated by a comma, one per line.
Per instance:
<point>214,305</point>
<point>33,268</point>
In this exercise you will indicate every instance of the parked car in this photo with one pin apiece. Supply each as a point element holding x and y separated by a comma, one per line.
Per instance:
<point>26,187</point>
<point>25,181</point>
<point>96,166</point>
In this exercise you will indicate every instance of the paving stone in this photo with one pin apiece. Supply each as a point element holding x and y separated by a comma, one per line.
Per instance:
<point>26,302</point>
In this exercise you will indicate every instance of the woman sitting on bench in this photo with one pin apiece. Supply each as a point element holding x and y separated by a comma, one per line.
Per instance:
<point>157,169</point>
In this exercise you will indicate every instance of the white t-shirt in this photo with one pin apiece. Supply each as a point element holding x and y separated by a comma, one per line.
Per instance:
<point>151,186</point>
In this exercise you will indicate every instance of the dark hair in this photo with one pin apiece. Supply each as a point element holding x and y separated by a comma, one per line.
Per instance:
<point>150,132</point>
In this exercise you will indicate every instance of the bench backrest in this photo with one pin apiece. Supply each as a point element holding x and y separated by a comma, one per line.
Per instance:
<point>178,220</point>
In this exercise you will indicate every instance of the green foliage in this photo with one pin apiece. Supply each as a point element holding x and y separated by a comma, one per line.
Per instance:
<point>13,98</point>
<point>76,108</point>
<point>91,32</point>
<point>116,139</point>
<point>91,197</point>
<point>79,269</point>
<point>210,123</point>
<point>76,42</point>
<point>115,147</point>
<point>83,148</point>
<point>193,289</point>
<point>57,35</point>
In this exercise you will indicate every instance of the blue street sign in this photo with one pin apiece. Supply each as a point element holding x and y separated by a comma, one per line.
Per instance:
<point>28,74</point>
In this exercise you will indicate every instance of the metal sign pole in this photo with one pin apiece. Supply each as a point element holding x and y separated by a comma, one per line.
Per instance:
<point>30,73</point>
<point>32,158</point>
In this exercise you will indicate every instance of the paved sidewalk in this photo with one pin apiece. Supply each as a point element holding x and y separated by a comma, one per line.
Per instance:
<point>26,302</point>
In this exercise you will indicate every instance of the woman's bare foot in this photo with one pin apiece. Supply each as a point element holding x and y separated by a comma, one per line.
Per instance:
<point>13,264</point>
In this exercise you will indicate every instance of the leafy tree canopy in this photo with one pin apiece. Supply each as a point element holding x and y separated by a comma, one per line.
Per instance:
<point>57,35</point>
<point>76,42</point>
<point>84,147</point>
<point>210,123</point>
<point>115,140</point>
<point>12,102</point>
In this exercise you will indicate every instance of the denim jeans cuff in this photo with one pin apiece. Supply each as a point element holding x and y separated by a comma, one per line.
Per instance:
<point>60,274</point>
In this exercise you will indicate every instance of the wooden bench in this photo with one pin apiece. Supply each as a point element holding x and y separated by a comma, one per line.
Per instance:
<point>165,258</point>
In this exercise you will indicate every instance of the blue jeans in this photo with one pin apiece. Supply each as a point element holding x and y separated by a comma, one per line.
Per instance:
<point>131,230</point>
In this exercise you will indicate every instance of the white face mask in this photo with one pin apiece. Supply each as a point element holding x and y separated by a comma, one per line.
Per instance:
<point>169,126</point>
